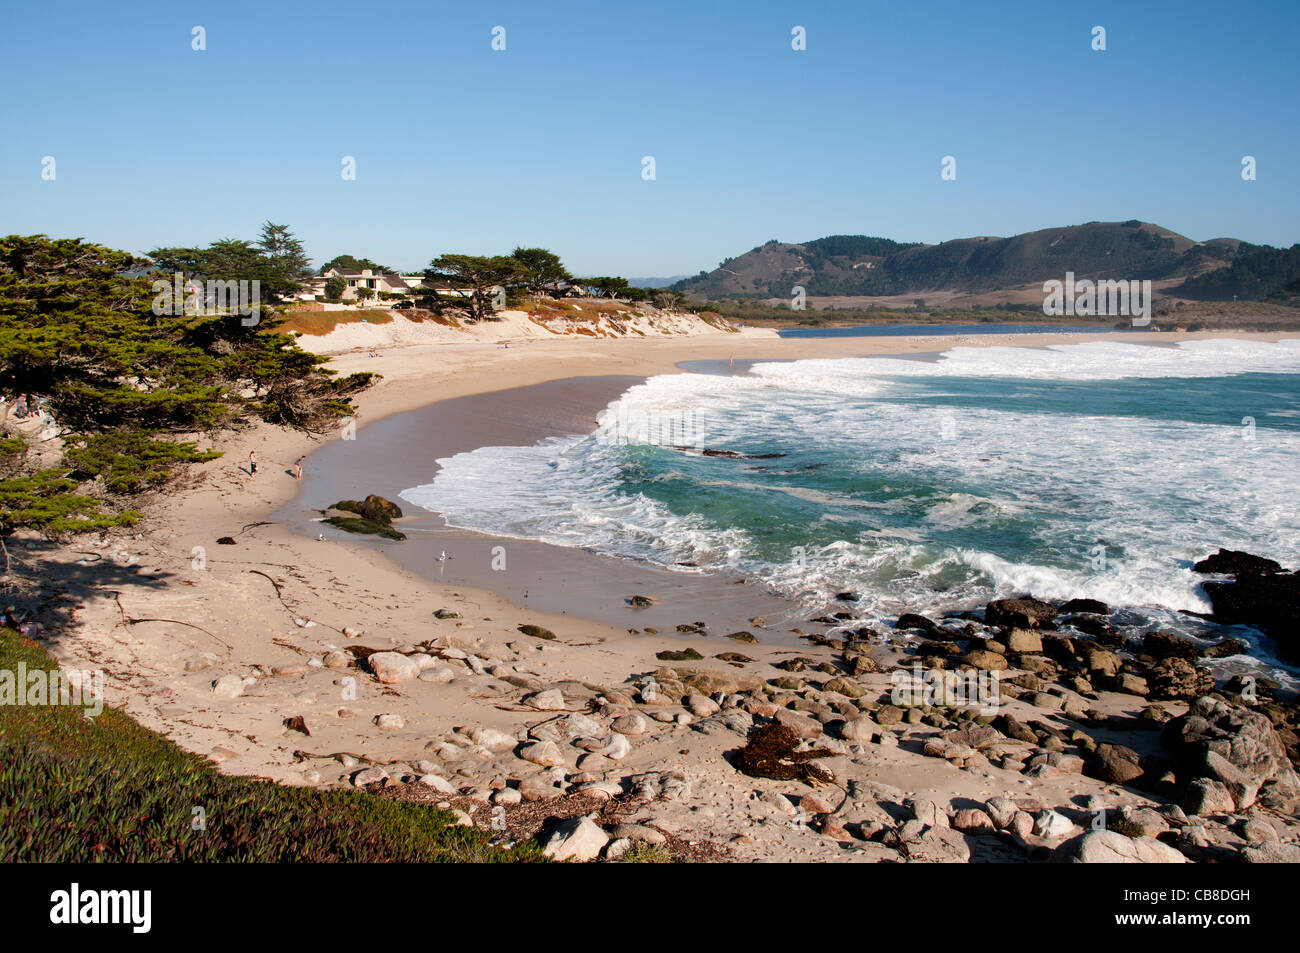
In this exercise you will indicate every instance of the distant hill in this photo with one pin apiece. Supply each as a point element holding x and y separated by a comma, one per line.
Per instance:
<point>854,265</point>
<point>656,282</point>
<point>1253,273</point>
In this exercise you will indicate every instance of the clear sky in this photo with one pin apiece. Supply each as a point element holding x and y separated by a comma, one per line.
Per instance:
<point>462,148</point>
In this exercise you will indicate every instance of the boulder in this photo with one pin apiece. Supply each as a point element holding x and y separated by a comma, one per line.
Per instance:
<point>1023,640</point>
<point>1019,613</point>
<point>938,845</point>
<point>972,820</point>
<point>1261,594</point>
<point>1091,606</point>
<point>1097,659</point>
<point>1109,847</point>
<point>1174,678</point>
<point>1232,562</point>
<point>985,660</point>
<point>545,753</point>
<point>228,686</point>
<point>1236,736</point>
<point>389,667</point>
<point>373,507</point>
<point>1114,763</point>
<point>1161,645</point>
<point>579,839</point>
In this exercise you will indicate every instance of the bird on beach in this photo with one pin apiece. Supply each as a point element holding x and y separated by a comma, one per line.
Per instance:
<point>443,557</point>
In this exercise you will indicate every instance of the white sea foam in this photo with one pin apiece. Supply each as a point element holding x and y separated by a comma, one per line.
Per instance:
<point>1089,361</point>
<point>973,502</point>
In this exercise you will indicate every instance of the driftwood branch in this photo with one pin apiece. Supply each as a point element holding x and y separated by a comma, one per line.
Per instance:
<point>132,620</point>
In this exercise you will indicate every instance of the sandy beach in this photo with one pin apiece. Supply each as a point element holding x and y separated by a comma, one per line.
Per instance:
<point>167,612</point>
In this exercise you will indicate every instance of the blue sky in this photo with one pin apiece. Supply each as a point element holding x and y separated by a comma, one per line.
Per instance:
<point>461,148</point>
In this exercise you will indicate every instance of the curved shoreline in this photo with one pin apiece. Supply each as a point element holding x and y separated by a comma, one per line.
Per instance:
<point>271,606</point>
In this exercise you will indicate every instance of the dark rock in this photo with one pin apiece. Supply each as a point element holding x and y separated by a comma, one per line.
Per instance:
<point>1114,763</point>
<point>365,527</point>
<point>1232,562</point>
<point>537,632</point>
<point>373,507</point>
<point>1012,727</point>
<point>847,596</point>
<point>1224,649</point>
<point>687,655</point>
<point>1019,613</point>
<point>1261,594</point>
<point>1093,606</point>
<point>1060,649</point>
<point>1089,624</point>
<point>226,541</point>
<point>911,620</point>
<point>1179,678</point>
<point>926,647</point>
<point>1160,645</point>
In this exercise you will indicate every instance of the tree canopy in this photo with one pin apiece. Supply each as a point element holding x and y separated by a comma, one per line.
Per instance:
<point>125,382</point>
<point>541,268</point>
<point>276,260</point>
<point>359,264</point>
<point>476,275</point>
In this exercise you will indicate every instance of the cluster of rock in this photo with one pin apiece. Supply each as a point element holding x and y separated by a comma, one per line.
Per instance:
<point>1259,593</point>
<point>1206,772</point>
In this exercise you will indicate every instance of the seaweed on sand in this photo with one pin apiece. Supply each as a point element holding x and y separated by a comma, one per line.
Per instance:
<point>770,753</point>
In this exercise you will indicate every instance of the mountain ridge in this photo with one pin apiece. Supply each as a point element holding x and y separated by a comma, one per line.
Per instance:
<point>858,265</point>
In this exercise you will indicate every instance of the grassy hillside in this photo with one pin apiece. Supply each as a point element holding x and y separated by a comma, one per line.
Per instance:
<point>856,265</point>
<point>75,789</point>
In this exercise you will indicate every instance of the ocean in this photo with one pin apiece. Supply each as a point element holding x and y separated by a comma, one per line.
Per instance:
<point>1094,469</point>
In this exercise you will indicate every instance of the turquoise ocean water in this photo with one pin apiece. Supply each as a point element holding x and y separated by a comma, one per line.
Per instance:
<point>1096,469</point>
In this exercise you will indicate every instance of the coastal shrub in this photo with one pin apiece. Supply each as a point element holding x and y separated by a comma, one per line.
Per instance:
<point>107,789</point>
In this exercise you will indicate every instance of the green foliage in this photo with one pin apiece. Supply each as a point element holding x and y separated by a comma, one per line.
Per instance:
<point>1255,273</point>
<point>123,378</point>
<point>335,286</point>
<point>608,287</point>
<point>358,264</point>
<point>540,268</point>
<point>74,789</point>
<point>477,274</point>
<point>276,260</point>
<point>129,461</point>
<point>47,500</point>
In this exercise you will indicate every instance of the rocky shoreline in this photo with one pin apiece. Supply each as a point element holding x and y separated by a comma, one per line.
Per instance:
<point>1137,753</point>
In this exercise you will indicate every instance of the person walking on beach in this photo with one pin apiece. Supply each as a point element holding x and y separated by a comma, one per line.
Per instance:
<point>20,409</point>
<point>297,467</point>
<point>252,463</point>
